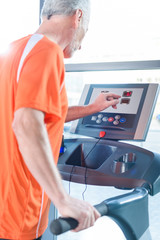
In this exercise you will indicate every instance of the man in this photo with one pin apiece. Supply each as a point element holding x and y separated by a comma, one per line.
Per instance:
<point>33,108</point>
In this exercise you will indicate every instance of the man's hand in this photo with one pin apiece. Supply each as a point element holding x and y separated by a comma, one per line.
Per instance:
<point>80,210</point>
<point>105,100</point>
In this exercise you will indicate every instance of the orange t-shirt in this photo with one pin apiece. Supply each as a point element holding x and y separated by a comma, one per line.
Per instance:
<point>32,76</point>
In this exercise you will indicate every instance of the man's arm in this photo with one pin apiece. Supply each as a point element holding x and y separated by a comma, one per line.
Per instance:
<point>34,145</point>
<point>103,101</point>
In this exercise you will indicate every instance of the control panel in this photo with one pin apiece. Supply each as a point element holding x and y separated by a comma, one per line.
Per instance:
<point>131,118</point>
<point>109,120</point>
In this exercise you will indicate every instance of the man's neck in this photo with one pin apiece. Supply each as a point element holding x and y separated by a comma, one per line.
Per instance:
<point>57,29</point>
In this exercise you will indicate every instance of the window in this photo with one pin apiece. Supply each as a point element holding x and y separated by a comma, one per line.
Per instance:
<point>17,19</point>
<point>121,30</point>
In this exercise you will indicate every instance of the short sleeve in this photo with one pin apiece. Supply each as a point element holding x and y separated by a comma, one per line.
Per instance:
<point>40,81</point>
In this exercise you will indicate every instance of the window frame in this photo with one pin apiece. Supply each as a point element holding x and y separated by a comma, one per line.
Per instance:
<point>113,66</point>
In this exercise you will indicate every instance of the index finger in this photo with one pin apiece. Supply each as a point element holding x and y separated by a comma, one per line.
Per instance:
<point>113,95</point>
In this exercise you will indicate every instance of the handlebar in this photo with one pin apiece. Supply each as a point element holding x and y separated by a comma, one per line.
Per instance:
<point>130,209</point>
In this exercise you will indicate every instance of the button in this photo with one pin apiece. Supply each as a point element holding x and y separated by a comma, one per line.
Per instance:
<point>127,93</point>
<point>105,119</point>
<point>98,121</point>
<point>102,134</point>
<point>125,101</point>
<point>110,119</point>
<point>122,120</point>
<point>100,116</point>
<point>93,118</point>
<point>116,122</point>
<point>117,117</point>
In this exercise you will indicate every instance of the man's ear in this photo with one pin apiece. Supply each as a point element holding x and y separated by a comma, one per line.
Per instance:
<point>77,17</point>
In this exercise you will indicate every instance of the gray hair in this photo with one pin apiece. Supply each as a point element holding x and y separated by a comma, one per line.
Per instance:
<point>66,7</point>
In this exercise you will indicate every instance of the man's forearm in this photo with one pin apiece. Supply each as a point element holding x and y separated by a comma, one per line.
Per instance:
<point>35,148</point>
<point>103,101</point>
<point>77,112</point>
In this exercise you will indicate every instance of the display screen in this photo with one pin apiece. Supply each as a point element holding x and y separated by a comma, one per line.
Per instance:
<point>128,103</point>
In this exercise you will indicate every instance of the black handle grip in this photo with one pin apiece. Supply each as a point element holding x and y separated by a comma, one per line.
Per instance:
<point>61,225</point>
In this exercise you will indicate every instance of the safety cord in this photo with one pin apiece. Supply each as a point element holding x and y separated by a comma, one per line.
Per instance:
<point>86,168</point>
<point>101,135</point>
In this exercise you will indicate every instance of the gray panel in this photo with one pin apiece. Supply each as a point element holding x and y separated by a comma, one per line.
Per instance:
<point>147,112</point>
<point>52,215</point>
<point>81,102</point>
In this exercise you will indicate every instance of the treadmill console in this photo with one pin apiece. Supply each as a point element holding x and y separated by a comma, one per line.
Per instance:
<point>131,119</point>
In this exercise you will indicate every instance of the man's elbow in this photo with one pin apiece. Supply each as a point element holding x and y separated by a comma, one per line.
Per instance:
<point>28,123</point>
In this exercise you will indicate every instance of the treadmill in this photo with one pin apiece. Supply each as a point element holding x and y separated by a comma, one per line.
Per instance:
<point>102,158</point>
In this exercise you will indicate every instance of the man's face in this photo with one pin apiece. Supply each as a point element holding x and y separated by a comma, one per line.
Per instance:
<point>75,43</point>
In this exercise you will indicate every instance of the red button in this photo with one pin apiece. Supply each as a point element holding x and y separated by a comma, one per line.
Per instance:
<point>102,134</point>
<point>127,94</point>
<point>110,119</point>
